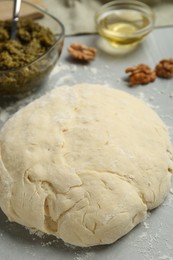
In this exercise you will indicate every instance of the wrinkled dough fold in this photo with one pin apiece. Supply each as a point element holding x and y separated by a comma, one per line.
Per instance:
<point>84,163</point>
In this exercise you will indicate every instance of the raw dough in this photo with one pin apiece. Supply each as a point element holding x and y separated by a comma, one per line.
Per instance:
<point>84,163</point>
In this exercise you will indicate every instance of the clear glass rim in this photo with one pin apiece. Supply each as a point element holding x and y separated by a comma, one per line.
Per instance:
<point>58,39</point>
<point>138,6</point>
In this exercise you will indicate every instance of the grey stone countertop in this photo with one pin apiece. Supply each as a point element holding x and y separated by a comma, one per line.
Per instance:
<point>150,240</point>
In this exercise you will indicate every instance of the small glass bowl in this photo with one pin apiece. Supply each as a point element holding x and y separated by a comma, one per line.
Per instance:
<point>124,22</point>
<point>22,80</point>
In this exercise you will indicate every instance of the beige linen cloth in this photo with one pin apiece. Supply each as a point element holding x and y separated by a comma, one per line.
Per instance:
<point>78,15</point>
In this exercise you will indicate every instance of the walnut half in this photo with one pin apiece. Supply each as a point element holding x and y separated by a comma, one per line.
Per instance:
<point>165,68</point>
<point>81,52</point>
<point>141,74</point>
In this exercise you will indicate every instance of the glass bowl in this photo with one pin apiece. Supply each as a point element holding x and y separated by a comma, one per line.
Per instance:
<point>124,22</point>
<point>31,76</point>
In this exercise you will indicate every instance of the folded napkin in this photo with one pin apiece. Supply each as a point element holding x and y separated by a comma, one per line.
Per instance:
<point>78,15</point>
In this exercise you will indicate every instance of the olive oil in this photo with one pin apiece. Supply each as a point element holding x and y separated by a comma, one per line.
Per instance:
<point>123,27</point>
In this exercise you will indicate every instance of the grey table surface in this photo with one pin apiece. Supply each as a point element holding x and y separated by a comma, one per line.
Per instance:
<point>150,240</point>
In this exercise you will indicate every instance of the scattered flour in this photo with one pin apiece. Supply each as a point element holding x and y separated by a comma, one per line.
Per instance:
<point>143,235</point>
<point>65,79</point>
<point>94,70</point>
<point>142,96</point>
<point>33,231</point>
<point>151,98</point>
<point>106,66</point>
<point>154,107</point>
<point>73,68</point>
<point>49,243</point>
<point>146,225</point>
<point>118,80</point>
<point>165,257</point>
<point>63,67</point>
<point>85,67</point>
<point>84,256</point>
<point>60,67</point>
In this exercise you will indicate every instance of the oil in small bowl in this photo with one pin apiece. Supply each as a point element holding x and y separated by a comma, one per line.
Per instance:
<point>124,23</point>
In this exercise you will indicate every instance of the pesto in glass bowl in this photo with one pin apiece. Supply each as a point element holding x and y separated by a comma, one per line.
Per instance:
<point>26,62</point>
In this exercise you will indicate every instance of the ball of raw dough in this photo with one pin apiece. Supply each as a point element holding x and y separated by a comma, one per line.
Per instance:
<point>84,163</point>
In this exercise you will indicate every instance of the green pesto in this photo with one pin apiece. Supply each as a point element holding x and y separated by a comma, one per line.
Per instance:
<point>33,41</point>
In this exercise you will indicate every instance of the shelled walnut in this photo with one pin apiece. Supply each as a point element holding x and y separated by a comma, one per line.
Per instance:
<point>141,74</point>
<point>82,52</point>
<point>165,68</point>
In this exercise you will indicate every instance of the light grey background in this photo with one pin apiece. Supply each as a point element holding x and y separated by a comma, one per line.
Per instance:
<point>151,240</point>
